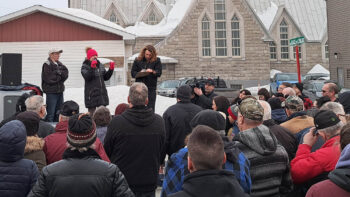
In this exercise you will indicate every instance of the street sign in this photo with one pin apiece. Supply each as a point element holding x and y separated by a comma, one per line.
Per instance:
<point>296,41</point>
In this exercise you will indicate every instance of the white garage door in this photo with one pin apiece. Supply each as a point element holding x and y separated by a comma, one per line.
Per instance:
<point>34,54</point>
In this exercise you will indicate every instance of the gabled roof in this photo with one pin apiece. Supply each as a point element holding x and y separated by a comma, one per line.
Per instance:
<point>75,15</point>
<point>161,8</point>
<point>132,8</point>
<point>310,16</point>
<point>120,12</point>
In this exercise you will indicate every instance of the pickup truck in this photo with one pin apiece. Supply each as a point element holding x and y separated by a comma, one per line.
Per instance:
<point>221,88</point>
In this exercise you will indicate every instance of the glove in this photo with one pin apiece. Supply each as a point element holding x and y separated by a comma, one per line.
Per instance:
<point>111,65</point>
<point>93,64</point>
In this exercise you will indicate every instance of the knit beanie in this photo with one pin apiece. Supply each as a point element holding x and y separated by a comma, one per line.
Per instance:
<point>210,118</point>
<point>275,103</point>
<point>232,112</point>
<point>30,120</point>
<point>184,93</point>
<point>91,53</point>
<point>81,131</point>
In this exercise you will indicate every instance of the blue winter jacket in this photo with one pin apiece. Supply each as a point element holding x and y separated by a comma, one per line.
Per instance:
<point>17,175</point>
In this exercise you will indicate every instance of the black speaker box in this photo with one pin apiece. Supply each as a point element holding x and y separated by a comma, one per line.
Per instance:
<point>11,69</point>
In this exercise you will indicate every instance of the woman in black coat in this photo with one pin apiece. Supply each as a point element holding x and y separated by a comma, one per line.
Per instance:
<point>94,75</point>
<point>148,64</point>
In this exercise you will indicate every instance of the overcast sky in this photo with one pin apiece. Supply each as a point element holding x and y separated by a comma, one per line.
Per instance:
<point>9,6</point>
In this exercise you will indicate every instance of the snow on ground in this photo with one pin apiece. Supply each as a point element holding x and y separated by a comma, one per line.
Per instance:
<point>117,95</point>
<point>167,25</point>
<point>254,90</point>
<point>318,69</point>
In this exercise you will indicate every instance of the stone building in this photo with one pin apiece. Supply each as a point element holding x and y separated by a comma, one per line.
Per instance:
<point>339,34</point>
<point>238,40</point>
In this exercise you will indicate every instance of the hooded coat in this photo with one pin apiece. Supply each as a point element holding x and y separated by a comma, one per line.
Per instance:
<point>209,183</point>
<point>135,142</point>
<point>269,163</point>
<point>338,183</point>
<point>95,92</point>
<point>17,175</point>
<point>34,151</point>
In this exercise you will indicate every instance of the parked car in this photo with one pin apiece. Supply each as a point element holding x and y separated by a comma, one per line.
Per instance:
<point>279,78</point>
<point>316,76</point>
<point>168,88</point>
<point>315,87</point>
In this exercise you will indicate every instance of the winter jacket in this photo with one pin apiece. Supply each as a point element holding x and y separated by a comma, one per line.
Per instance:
<point>269,169</point>
<point>95,92</point>
<point>298,121</point>
<point>101,133</point>
<point>176,169</point>
<point>81,174</point>
<point>344,99</point>
<point>53,76</point>
<point>17,175</point>
<point>284,137</point>
<point>150,80</point>
<point>206,100</point>
<point>56,144</point>
<point>307,165</point>
<point>177,125</point>
<point>279,115</point>
<point>209,183</point>
<point>45,129</point>
<point>34,151</point>
<point>135,142</point>
<point>339,179</point>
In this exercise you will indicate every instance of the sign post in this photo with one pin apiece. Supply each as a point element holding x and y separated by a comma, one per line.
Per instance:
<point>296,42</point>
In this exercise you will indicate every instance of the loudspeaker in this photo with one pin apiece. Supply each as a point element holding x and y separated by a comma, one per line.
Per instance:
<point>8,101</point>
<point>11,69</point>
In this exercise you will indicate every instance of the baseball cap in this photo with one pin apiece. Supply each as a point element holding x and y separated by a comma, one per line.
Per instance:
<point>54,50</point>
<point>325,118</point>
<point>210,82</point>
<point>250,108</point>
<point>294,103</point>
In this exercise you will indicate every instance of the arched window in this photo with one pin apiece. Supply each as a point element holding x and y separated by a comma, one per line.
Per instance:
<point>83,4</point>
<point>326,50</point>
<point>220,27</point>
<point>151,20</point>
<point>273,51</point>
<point>236,38</point>
<point>113,18</point>
<point>205,36</point>
<point>284,40</point>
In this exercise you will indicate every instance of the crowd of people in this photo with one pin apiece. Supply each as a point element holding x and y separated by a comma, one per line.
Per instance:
<point>270,145</point>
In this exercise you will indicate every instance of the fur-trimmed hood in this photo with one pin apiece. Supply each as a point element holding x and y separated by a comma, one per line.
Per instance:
<point>34,143</point>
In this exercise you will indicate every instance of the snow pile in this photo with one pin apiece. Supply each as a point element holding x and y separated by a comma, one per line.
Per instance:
<point>268,15</point>
<point>273,72</point>
<point>318,69</point>
<point>166,26</point>
<point>254,90</point>
<point>117,95</point>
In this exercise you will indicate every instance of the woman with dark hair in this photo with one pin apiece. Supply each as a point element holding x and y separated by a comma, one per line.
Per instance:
<point>221,104</point>
<point>146,69</point>
<point>338,183</point>
<point>102,117</point>
<point>264,94</point>
<point>242,93</point>
<point>94,74</point>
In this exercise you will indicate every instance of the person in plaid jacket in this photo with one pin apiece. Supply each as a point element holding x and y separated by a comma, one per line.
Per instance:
<point>176,167</point>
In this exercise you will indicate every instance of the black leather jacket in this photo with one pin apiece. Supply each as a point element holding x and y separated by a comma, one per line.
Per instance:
<point>81,174</point>
<point>150,80</point>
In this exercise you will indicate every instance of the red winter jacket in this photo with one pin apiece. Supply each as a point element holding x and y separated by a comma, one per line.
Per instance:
<point>307,165</point>
<point>56,144</point>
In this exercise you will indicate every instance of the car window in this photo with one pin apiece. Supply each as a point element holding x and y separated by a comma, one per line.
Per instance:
<point>287,77</point>
<point>169,84</point>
